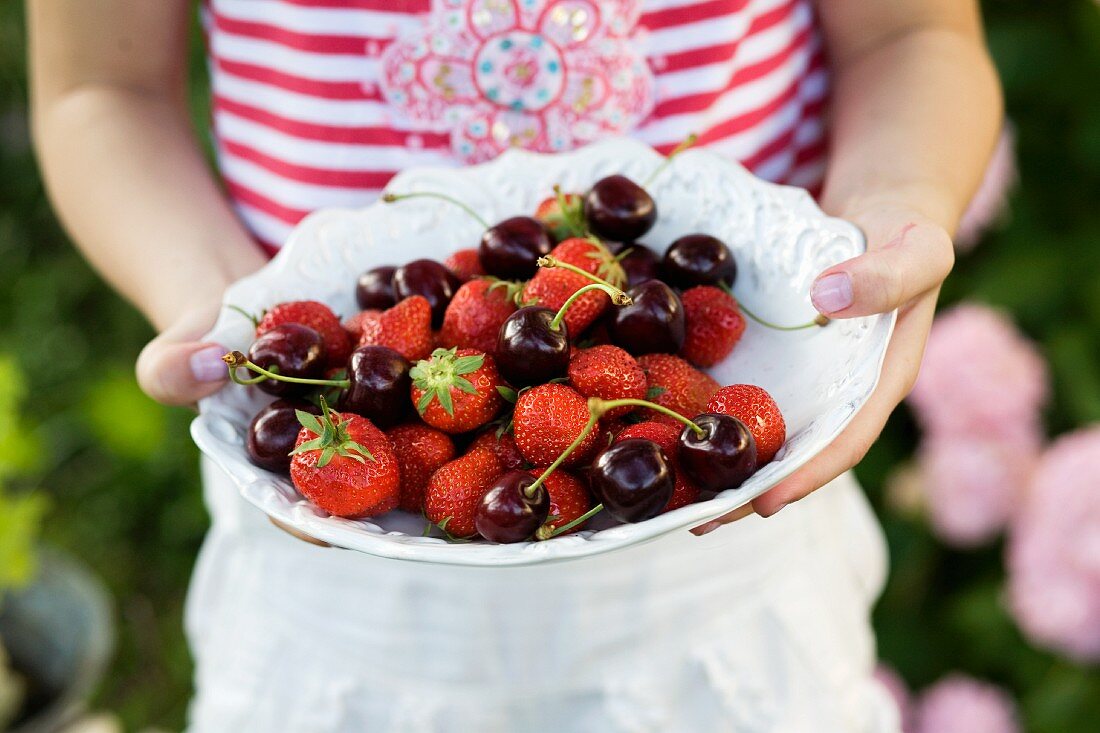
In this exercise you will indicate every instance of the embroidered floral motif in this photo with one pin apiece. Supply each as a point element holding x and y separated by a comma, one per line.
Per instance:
<point>541,75</point>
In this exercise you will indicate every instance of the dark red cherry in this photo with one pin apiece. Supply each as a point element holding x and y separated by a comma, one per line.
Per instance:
<point>510,511</point>
<point>652,324</point>
<point>633,479</point>
<point>273,432</point>
<point>430,279</point>
<point>290,350</point>
<point>722,457</point>
<point>511,249</point>
<point>379,386</point>
<point>699,259</point>
<point>374,289</point>
<point>618,209</point>
<point>529,350</point>
<point>640,264</point>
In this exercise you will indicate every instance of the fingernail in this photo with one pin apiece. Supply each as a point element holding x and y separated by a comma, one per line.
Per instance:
<point>708,528</point>
<point>832,293</point>
<point>207,364</point>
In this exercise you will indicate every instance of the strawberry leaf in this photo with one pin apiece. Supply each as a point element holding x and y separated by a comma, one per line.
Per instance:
<point>443,394</point>
<point>467,364</point>
<point>464,385</point>
<point>507,393</point>
<point>326,456</point>
<point>309,421</point>
<point>654,392</point>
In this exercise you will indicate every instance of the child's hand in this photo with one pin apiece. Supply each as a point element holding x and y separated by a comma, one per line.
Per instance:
<point>908,258</point>
<point>176,368</point>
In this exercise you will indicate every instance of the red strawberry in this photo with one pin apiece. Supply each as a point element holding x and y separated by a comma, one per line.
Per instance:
<point>455,490</point>
<point>609,373</point>
<point>668,437</point>
<point>420,451</point>
<point>476,313</point>
<point>548,418</point>
<point>714,325</point>
<point>756,408</point>
<point>569,498</point>
<point>505,447</point>
<point>345,465</point>
<point>551,287</point>
<point>562,223</point>
<point>465,264</point>
<point>456,389</point>
<point>406,328</point>
<point>317,316</point>
<point>677,385</point>
<point>364,322</point>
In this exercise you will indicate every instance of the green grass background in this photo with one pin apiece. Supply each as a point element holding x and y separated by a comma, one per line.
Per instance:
<point>120,471</point>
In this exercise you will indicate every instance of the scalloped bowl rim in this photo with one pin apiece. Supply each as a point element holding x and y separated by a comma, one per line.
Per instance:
<point>258,486</point>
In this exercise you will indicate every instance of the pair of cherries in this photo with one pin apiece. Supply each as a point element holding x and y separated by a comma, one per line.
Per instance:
<point>632,479</point>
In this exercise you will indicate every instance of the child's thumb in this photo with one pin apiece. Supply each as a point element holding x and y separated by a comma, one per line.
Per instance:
<point>175,369</point>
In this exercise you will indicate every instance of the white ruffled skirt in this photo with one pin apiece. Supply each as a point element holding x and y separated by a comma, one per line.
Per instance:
<point>759,627</point>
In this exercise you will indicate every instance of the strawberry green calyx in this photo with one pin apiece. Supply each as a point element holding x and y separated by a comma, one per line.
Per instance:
<point>513,289</point>
<point>437,375</point>
<point>569,220</point>
<point>391,198</point>
<point>618,297</point>
<point>332,437</point>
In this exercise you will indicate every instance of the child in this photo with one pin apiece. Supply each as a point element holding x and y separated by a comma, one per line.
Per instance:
<point>760,627</point>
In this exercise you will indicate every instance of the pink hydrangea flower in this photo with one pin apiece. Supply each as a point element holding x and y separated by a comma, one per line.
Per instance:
<point>889,678</point>
<point>990,202</point>
<point>980,376</point>
<point>973,485</point>
<point>961,704</point>
<point>1054,550</point>
<point>543,75</point>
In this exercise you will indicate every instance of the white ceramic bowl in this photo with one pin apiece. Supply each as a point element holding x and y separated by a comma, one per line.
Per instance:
<point>780,239</point>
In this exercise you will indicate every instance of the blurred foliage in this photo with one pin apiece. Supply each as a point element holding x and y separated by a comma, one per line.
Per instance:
<point>121,471</point>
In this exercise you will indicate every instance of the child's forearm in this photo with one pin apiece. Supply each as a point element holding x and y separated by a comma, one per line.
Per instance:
<point>915,120</point>
<point>132,188</point>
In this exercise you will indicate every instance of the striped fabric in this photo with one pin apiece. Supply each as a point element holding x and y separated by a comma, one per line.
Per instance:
<point>310,110</point>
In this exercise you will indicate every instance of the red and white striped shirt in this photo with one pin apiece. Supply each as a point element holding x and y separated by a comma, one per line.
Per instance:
<point>320,102</point>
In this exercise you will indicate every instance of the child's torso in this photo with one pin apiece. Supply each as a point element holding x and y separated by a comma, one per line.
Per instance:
<point>319,102</point>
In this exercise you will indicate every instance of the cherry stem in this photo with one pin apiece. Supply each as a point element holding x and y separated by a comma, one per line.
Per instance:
<point>819,319</point>
<point>549,262</point>
<point>617,296</point>
<point>236,360</point>
<point>246,314</point>
<point>545,533</point>
<point>593,418</point>
<point>598,407</point>
<point>390,198</point>
<point>687,143</point>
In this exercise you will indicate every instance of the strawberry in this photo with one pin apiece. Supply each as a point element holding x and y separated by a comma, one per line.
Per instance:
<point>547,419</point>
<point>755,407</point>
<point>551,287</point>
<point>562,222</point>
<point>668,437</point>
<point>406,328</point>
<point>609,373</point>
<point>504,446</point>
<point>345,465</point>
<point>465,264</point>
<point>713,323</point>
<point>456,389</point>
<point>677,385</point>
<point>420,451</point>
<point>317,316</point>
<point>476,313</point>
<point>364,322</point>
<point>455,490</point>
<point>569,498</point>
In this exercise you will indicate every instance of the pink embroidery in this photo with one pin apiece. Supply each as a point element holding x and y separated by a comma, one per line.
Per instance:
<point>542,75</point>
